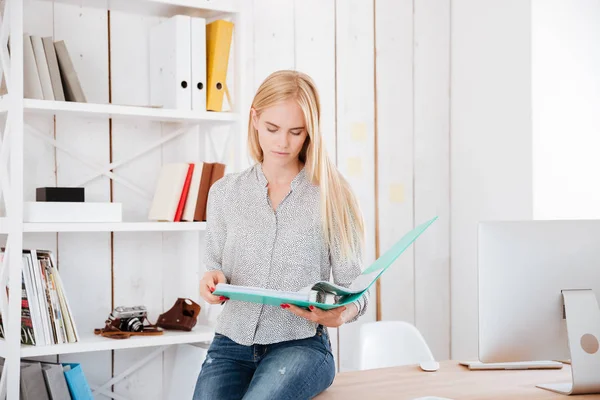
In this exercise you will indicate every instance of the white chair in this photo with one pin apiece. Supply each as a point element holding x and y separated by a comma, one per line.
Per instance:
<point>391,343</point>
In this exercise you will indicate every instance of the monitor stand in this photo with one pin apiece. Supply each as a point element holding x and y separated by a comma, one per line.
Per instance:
<point>583,332</point>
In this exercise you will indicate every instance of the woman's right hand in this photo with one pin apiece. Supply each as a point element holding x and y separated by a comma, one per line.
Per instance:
<point>207,286</point>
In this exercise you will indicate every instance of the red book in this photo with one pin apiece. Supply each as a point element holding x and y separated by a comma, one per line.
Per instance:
<point>184,193</point>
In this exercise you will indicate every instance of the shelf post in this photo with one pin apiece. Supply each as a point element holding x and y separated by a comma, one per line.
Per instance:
<point>15,217</point>
<point>241,102</point>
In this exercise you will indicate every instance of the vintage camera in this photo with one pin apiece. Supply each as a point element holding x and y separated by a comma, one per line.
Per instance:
<point>129,319</point>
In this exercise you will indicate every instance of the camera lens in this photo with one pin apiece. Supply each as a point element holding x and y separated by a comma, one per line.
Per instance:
<point>135,325</point>
<point>132,325</point>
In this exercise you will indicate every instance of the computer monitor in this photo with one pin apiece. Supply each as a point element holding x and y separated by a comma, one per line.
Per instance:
<point>533,274</point>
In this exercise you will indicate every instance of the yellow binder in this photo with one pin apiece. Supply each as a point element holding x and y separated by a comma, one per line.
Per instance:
<point>218,45</point>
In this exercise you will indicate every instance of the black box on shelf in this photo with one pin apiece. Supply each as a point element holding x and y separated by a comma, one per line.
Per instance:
<point>66,194</point>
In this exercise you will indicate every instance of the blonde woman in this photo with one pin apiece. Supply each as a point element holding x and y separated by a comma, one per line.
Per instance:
<point>286,222</point>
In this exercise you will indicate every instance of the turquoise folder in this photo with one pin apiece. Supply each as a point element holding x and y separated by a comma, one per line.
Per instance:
<point>77,382</point>
<point>372,273</point>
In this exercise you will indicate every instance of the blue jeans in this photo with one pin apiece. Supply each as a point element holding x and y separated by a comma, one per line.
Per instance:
<point>295,369</point>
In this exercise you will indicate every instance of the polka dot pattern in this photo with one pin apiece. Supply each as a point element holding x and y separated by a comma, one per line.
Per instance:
<point>281,249</point>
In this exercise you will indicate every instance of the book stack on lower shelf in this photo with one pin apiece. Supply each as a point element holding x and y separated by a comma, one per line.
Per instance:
<point>51,381</point>
<point>181,192</point>
<point>46,317</point>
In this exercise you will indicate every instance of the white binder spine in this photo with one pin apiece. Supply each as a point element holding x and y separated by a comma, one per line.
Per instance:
<point>198,55</point>
<point>170,63</point>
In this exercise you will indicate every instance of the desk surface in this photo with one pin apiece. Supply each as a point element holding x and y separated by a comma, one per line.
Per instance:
<point>452,381</point>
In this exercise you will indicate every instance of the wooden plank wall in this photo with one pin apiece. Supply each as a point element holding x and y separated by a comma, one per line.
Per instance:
<point>413,98</point>
<point>38,159</point>
<point>85,259</point>
<point>395,139</point>
<point>315,56</point>
<point>381,67</point>
<point>137,257</point>
<point>484,186</point>
<point>334,42</point>
<point>356,136</point>
<point>432,171</point>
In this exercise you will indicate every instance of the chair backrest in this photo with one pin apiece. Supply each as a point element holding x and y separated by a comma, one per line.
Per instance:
<point>391,343</point>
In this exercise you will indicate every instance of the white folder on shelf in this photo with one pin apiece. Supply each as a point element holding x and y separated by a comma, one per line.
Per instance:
<point>198,55</point>
<point>170,63</point>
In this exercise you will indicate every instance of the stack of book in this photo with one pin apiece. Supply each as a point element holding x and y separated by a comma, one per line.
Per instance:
<point>49,73</point>
<point>182,191</point>
<point>46,316</point>
<point>52,381</point>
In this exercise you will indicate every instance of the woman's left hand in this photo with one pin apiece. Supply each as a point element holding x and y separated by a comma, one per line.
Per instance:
<point>330,318</point>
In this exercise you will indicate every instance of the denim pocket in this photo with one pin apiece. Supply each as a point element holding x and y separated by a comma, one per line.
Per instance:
<point>323,334</point>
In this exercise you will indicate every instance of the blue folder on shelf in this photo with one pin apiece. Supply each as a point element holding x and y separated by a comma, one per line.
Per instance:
<point>77,383</point>
<point>325,295</point>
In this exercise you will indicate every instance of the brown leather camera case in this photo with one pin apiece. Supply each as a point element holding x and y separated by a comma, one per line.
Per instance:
<point>182,316</point>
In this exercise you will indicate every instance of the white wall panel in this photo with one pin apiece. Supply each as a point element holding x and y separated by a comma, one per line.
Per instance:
<point>565,95</point>
<point>334,42</point>
<point>491,171</point>
<point>315,56</point>
<point>85,258</point>
<point>137,259</point>
<point>395,145</point>
<point>432,172</point>
<point>355,135</point>
<point>38,155</point>
<point>273,38</point>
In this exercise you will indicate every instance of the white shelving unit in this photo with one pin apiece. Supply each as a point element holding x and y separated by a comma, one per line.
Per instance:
<point>18,110</point>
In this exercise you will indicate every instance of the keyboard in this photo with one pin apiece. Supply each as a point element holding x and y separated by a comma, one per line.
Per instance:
<point>477,365</point>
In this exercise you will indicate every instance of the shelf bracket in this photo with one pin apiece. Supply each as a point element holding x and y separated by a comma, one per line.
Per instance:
<point>3,282</point>
<point>90,164</point>
<point>3,386</point>
<point>105,388</point>
<point>4,57</point>
<point>178,132</point>
<point>4,176</point>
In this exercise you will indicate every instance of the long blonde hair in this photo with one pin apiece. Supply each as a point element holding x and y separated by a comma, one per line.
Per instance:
<point>341,218</point>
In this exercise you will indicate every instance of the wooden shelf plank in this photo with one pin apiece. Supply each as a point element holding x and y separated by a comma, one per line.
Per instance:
<point>123,111</point>
<point>93,342</point>
<point>164,8</point>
